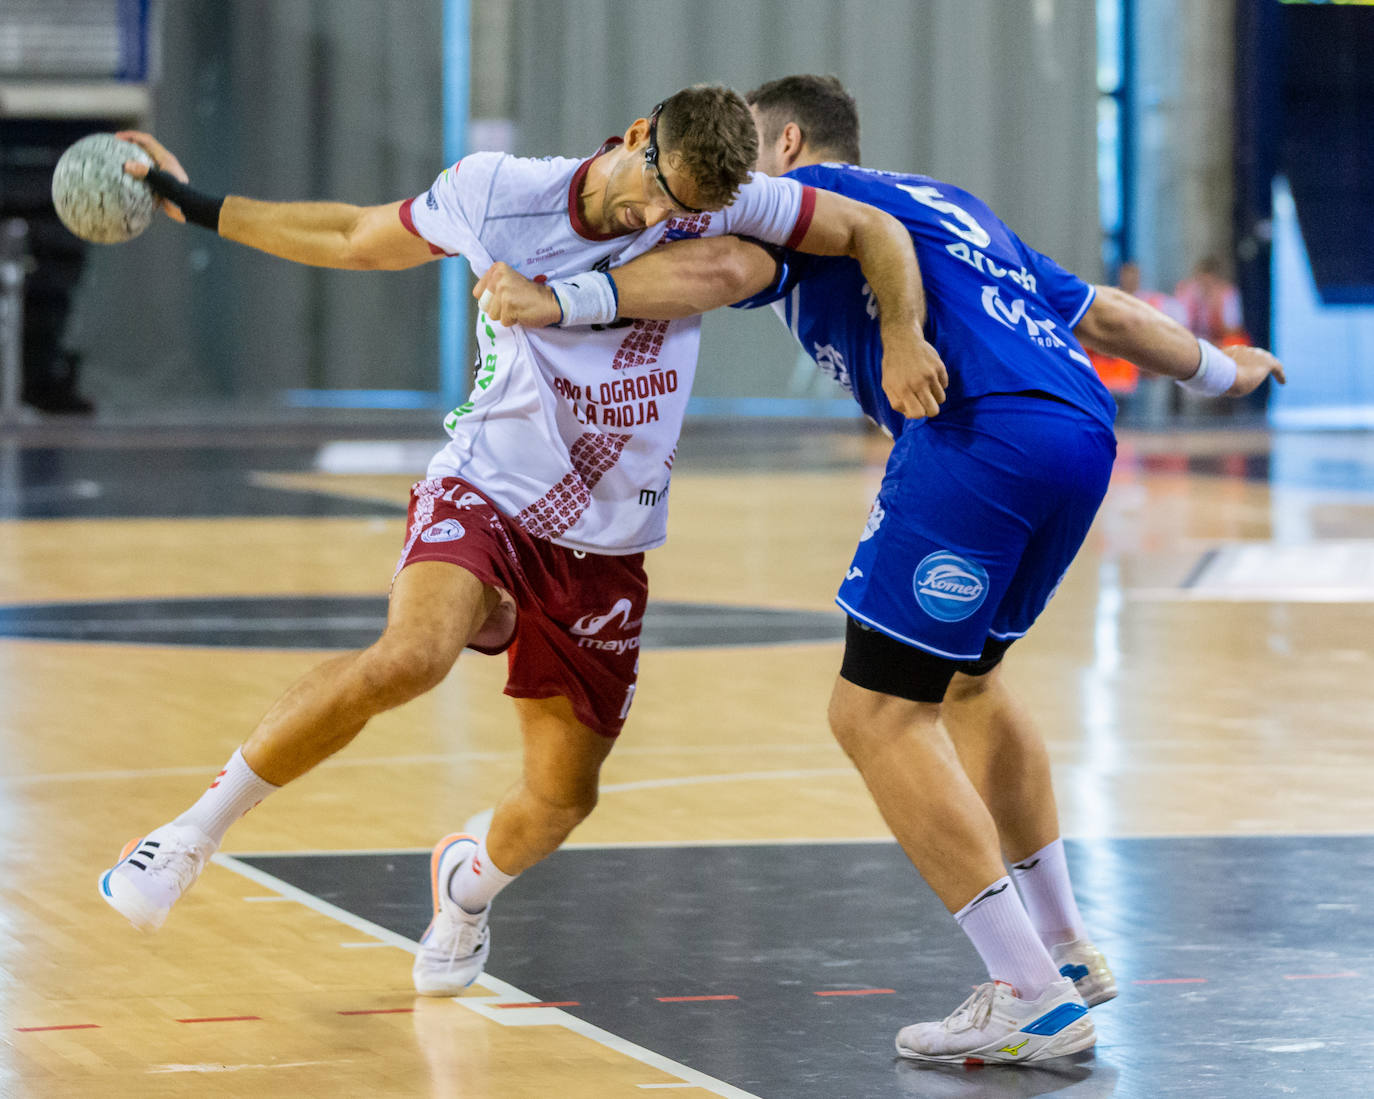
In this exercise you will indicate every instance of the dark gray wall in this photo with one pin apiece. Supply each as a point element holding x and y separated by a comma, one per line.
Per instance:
<point>283,99</point>
<point>340,99</point>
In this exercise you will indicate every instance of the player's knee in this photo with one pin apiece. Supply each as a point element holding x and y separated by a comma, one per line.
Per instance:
<point>401,667</point>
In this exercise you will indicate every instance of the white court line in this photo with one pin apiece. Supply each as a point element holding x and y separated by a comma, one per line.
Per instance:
<point>208,769</point>
<point>212,1067</point>
<point>503,992</point>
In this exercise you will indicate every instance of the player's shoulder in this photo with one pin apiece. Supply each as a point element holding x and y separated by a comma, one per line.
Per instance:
<point>517,169</point>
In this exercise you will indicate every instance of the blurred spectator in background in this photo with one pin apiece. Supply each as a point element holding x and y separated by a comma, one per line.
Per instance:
<point>1128,279</point>
<point>1211,305</point>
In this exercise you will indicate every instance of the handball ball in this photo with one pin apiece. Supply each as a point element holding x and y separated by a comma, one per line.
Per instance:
<point>93,196</point>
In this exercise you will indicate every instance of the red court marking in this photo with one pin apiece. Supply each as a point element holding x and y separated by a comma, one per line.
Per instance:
<point>548,1003</point>
<point>690,999</point>
<point>1174,981</point>
<point>225,1019</point>
<point>858,992</point>
<point>67,1026</point>
<point>380,1011</point>
<point>1316,976</point>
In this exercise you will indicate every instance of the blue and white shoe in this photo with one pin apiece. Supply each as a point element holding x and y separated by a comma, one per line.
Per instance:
<point>454,948</point>
<point>995,1026</point>
<point>1084,965</point>
<point>154,871</point>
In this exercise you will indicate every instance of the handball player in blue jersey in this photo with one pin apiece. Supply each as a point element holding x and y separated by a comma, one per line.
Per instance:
<point>981,510</point>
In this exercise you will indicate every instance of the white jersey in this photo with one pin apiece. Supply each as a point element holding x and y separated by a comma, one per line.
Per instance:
<point>572,432</point>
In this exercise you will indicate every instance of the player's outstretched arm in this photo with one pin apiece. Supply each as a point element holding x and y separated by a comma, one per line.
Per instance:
<point>320,234</point>
<point>1123,326</point>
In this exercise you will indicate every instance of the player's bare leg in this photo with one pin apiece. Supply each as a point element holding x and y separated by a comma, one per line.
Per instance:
<point>556,791</point>
<point>434,609</point>
<point>915,775</point>
<point>1005,757</point>
<point>557,788</point>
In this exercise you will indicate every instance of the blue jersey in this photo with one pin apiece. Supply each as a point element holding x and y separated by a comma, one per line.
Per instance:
<point>1000,314</point>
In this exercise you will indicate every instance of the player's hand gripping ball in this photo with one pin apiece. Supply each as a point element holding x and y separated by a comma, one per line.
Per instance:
<point>93,196</point>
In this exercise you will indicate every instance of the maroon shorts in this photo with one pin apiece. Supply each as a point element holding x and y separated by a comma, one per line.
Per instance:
<point>578,615</point>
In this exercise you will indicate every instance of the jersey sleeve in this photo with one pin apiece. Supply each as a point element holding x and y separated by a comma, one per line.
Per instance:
<point>1062,290</point>
<point>771,209</point>
<point>793,267</point>
<point>450,215</point>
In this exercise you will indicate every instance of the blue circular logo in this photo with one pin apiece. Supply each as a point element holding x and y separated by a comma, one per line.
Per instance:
<point>949,587</point>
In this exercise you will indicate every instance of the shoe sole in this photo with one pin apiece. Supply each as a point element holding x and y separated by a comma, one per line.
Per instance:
<point>1075,1038</point>
<point>1101,996</point>
<point>128,903</point>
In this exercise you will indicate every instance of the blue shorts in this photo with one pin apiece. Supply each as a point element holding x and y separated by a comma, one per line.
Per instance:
<point>981,511</point>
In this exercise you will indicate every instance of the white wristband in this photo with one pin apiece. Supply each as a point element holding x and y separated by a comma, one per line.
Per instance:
<point>1216,373</point>
<point>588,298</point>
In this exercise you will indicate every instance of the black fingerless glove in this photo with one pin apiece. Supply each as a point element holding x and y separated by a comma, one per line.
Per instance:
<point>199,208</point>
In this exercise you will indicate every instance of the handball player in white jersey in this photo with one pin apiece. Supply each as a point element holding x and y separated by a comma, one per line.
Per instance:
<point>528,534</point>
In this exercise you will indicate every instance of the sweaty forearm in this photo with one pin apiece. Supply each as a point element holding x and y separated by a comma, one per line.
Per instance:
<point>1125,327</point>
<point>689,277</point>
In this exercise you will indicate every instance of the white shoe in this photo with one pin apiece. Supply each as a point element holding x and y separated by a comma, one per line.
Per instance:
<point>1084,965</point>
<point>454,948</point>
<point>995,1026</point>
<point>154,871</point>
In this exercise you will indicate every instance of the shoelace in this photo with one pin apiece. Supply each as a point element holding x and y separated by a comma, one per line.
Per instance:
<point>974,1012</point>
<point>178,860</point>
<point>467,933</point>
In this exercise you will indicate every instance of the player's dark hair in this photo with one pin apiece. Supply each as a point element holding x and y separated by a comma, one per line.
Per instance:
<point>708,131</point>
<point>821,108</point>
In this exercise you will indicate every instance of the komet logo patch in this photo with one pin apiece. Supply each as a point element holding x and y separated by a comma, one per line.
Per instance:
<point>949,587</point>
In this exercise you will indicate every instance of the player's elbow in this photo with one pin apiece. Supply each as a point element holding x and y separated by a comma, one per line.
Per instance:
<point>1115,322</point>
<point>356,255</point>
<point>742,270</point>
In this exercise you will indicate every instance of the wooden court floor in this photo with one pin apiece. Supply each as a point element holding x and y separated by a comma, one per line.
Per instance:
<point>1205,670</point>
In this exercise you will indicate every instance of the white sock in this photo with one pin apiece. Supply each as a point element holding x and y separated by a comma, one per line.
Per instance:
<point>996,923</point>
<point>1043,882</point>
<point>477,881</point>
<point>235,790</point>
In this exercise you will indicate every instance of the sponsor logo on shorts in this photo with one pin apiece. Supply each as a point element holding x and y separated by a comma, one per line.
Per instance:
<point>469,500</point>
<point>616,619</point>
<point>446,530</point>
<point>854,572</point>
<point>949,587</point>
<point>590,624</point>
